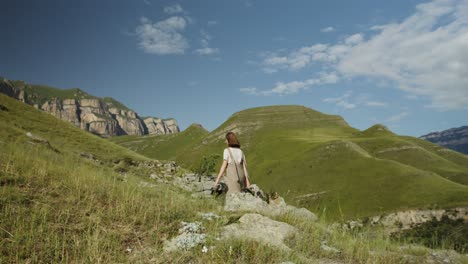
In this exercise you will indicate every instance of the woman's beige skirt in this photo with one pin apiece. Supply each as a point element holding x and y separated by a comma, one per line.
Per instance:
<point>232,180</point>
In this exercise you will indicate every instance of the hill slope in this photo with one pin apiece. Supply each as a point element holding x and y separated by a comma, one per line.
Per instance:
<point>166,147</point>
<point>319,161</point>
<point>57,206</point>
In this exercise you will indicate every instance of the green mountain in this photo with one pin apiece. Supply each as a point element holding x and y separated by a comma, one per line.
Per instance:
<point>165,147</point>
<point>18,119</point>
<point>320,162</point>
<point>69,196</point>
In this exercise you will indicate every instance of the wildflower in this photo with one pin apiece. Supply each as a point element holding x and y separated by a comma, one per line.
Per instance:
<point>204,249</point>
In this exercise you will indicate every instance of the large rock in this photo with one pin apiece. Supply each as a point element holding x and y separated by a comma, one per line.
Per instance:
<point>67,110</point>
<point>259,228</point>
<point>131,123</point>
<point>172,125</point>
<point>158,126</point>
<point>246,202</point>
<point>190,235</point>
<point>6,87</point>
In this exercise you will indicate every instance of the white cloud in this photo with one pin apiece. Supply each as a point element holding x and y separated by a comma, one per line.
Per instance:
<point>342,101</point>
<point>147,2</point>
<point>296,60</point>
<point>163,37</point>
<point>348,101</point>
<point>425,54</point>
<point>207,51</point>
<point>327,29</point>
<point>174,9</point>
<point>205,45</point>
<point>249,90</point>
<point>376,104</point>
<point>212,23</point>
<point>354,39</point>
<point>397,117</point>
<point>282,88</point>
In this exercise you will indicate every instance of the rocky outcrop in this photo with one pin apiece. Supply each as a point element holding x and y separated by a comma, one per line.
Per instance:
<point>246,202</point>
<point>158,126</point>
<point>172,125</point>
<point>407,219</point>
<point>16,91</point>
<point>104,117</point>
<point>260,228</point>
<point>455,138</point>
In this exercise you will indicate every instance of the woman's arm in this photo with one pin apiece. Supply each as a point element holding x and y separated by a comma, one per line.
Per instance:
<point>221,172</point>
<point>246,173</point>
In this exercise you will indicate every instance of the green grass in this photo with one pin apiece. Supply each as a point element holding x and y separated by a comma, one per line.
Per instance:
<point>297,151</point>
<point>39,94</point>
<point>22,118</point>
<point>114,103</point>
<point>165,147</point>
<point>63,208</point>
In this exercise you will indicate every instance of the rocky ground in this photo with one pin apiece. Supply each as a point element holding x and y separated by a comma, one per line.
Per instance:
<point>256,223</point>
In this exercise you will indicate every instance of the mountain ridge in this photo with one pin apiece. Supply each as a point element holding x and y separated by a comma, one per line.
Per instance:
<point>105,116</point>
<point>453,138</point>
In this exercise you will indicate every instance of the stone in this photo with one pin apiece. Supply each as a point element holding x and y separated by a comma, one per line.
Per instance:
<point>246,202</point>
<point>190,235</point>
<point>257,192</point>
<point>259,228</point>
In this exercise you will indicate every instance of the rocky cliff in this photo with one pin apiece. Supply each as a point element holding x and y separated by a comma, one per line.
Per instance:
<point>454,138</point>
<point>158,126</point>
<point>102,116</point>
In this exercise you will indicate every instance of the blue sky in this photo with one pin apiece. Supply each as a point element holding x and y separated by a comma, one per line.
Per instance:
<point>400,63</point>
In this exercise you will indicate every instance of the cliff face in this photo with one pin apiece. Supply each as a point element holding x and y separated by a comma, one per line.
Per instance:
<point>105,117</point>
<point>454,138</point>
<point>158,126</point>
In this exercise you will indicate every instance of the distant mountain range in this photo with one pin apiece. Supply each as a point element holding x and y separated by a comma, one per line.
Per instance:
<point>105,117</point>
<point>454,138</point>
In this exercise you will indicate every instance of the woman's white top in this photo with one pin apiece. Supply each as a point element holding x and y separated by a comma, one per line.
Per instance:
<point>236,152</point>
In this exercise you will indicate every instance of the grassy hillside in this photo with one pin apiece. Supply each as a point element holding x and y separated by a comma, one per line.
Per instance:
<point>319,161</point>
<point>166,147</point>
<point>58,207</point>
<point>114,103</point>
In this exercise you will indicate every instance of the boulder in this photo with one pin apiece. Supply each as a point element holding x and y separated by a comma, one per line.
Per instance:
<point>259,228</point>
<point>190,235</point>
<point>246,202</point>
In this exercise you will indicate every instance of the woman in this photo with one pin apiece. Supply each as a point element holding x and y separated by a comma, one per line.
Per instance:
<point>234,165</point>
